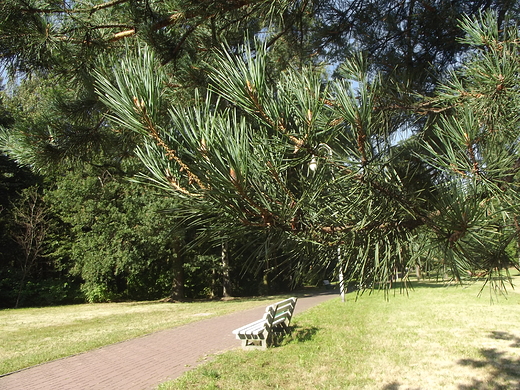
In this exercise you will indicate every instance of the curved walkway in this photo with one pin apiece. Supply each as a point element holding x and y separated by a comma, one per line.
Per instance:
<point>144,362</point>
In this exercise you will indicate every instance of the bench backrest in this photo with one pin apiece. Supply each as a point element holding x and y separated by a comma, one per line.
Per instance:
<point>280,313</point>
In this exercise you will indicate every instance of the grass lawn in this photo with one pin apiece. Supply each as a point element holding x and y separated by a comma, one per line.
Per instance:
<point>436,337</point>
<point>36,335</point>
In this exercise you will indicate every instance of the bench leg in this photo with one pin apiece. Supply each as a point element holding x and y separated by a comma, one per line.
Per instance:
<point>265,342</point>
<point>256,343</point>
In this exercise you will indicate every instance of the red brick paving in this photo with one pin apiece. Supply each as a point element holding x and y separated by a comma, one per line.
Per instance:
<point>144,362</point>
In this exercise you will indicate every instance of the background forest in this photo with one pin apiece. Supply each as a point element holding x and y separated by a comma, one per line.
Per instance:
<point>195,149</point>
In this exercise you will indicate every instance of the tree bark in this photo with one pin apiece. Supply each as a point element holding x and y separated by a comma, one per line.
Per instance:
<point>226,285</point>
<point>177,291</point>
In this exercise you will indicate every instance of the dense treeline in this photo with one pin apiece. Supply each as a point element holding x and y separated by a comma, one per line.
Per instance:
<point>356,137</point>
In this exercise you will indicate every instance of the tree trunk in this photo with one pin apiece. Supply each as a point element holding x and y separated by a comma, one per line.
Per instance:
<point>20,290</point>
<point>342,286</point>
<point>29,232</point>
<point>226,285</point>
<point>264,285</point>
<point>177,291</point>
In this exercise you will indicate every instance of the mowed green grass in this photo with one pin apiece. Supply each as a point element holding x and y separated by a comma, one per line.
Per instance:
<point>36,335</point>
<point>435,337</point>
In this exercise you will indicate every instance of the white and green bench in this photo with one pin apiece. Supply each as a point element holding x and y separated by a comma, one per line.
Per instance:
<point>260,334</point>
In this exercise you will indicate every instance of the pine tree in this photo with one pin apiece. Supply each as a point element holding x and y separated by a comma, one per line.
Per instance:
<point>278,150</point>
<point>59,43</point>
<point>54,47</point>
<point>312,162</point>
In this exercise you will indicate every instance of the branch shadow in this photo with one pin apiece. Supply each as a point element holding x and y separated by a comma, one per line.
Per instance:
<point>396,386</point>
<point>301,334</point>
<point>501,364</point>
<point>503,369</point>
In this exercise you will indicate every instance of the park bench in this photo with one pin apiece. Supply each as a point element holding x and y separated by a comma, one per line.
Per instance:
<point>275,322</point>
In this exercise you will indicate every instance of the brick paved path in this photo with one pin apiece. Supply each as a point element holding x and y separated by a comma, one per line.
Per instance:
<point>144,362</point>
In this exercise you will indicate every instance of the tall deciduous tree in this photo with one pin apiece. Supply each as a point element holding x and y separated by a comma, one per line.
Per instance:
<point>29,229</point>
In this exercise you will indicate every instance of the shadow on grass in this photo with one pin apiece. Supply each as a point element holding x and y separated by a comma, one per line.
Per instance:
<point>501,364</point>
<point>503,369</point>
<point>396,386</point>
<point>301,334</point>
<point>429,284</point>
<point>407,286</point>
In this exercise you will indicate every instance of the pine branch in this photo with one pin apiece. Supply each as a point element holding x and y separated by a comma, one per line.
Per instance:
<point>173,18</point>
<point>140,108</point>
<point>108,4</point>
<point>95,8</point>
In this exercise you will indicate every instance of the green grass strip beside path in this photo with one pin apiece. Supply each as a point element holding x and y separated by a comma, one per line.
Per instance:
<point>436,337</point>
<point>36,335</point>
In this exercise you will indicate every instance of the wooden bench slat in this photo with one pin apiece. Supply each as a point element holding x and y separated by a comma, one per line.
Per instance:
<point>276,320</point>
<point>256,324</point>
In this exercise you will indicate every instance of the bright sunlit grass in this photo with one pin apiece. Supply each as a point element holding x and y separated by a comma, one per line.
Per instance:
<point>436,337</point>
<point>36,335</point>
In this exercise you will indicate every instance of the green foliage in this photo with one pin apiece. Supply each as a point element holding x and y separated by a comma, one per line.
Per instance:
<point>279,151</point>
<point>29,230</point>
<point>311,160</point>
<point>49,130</point>
<point>120,244</point>
<point>476,148</point>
